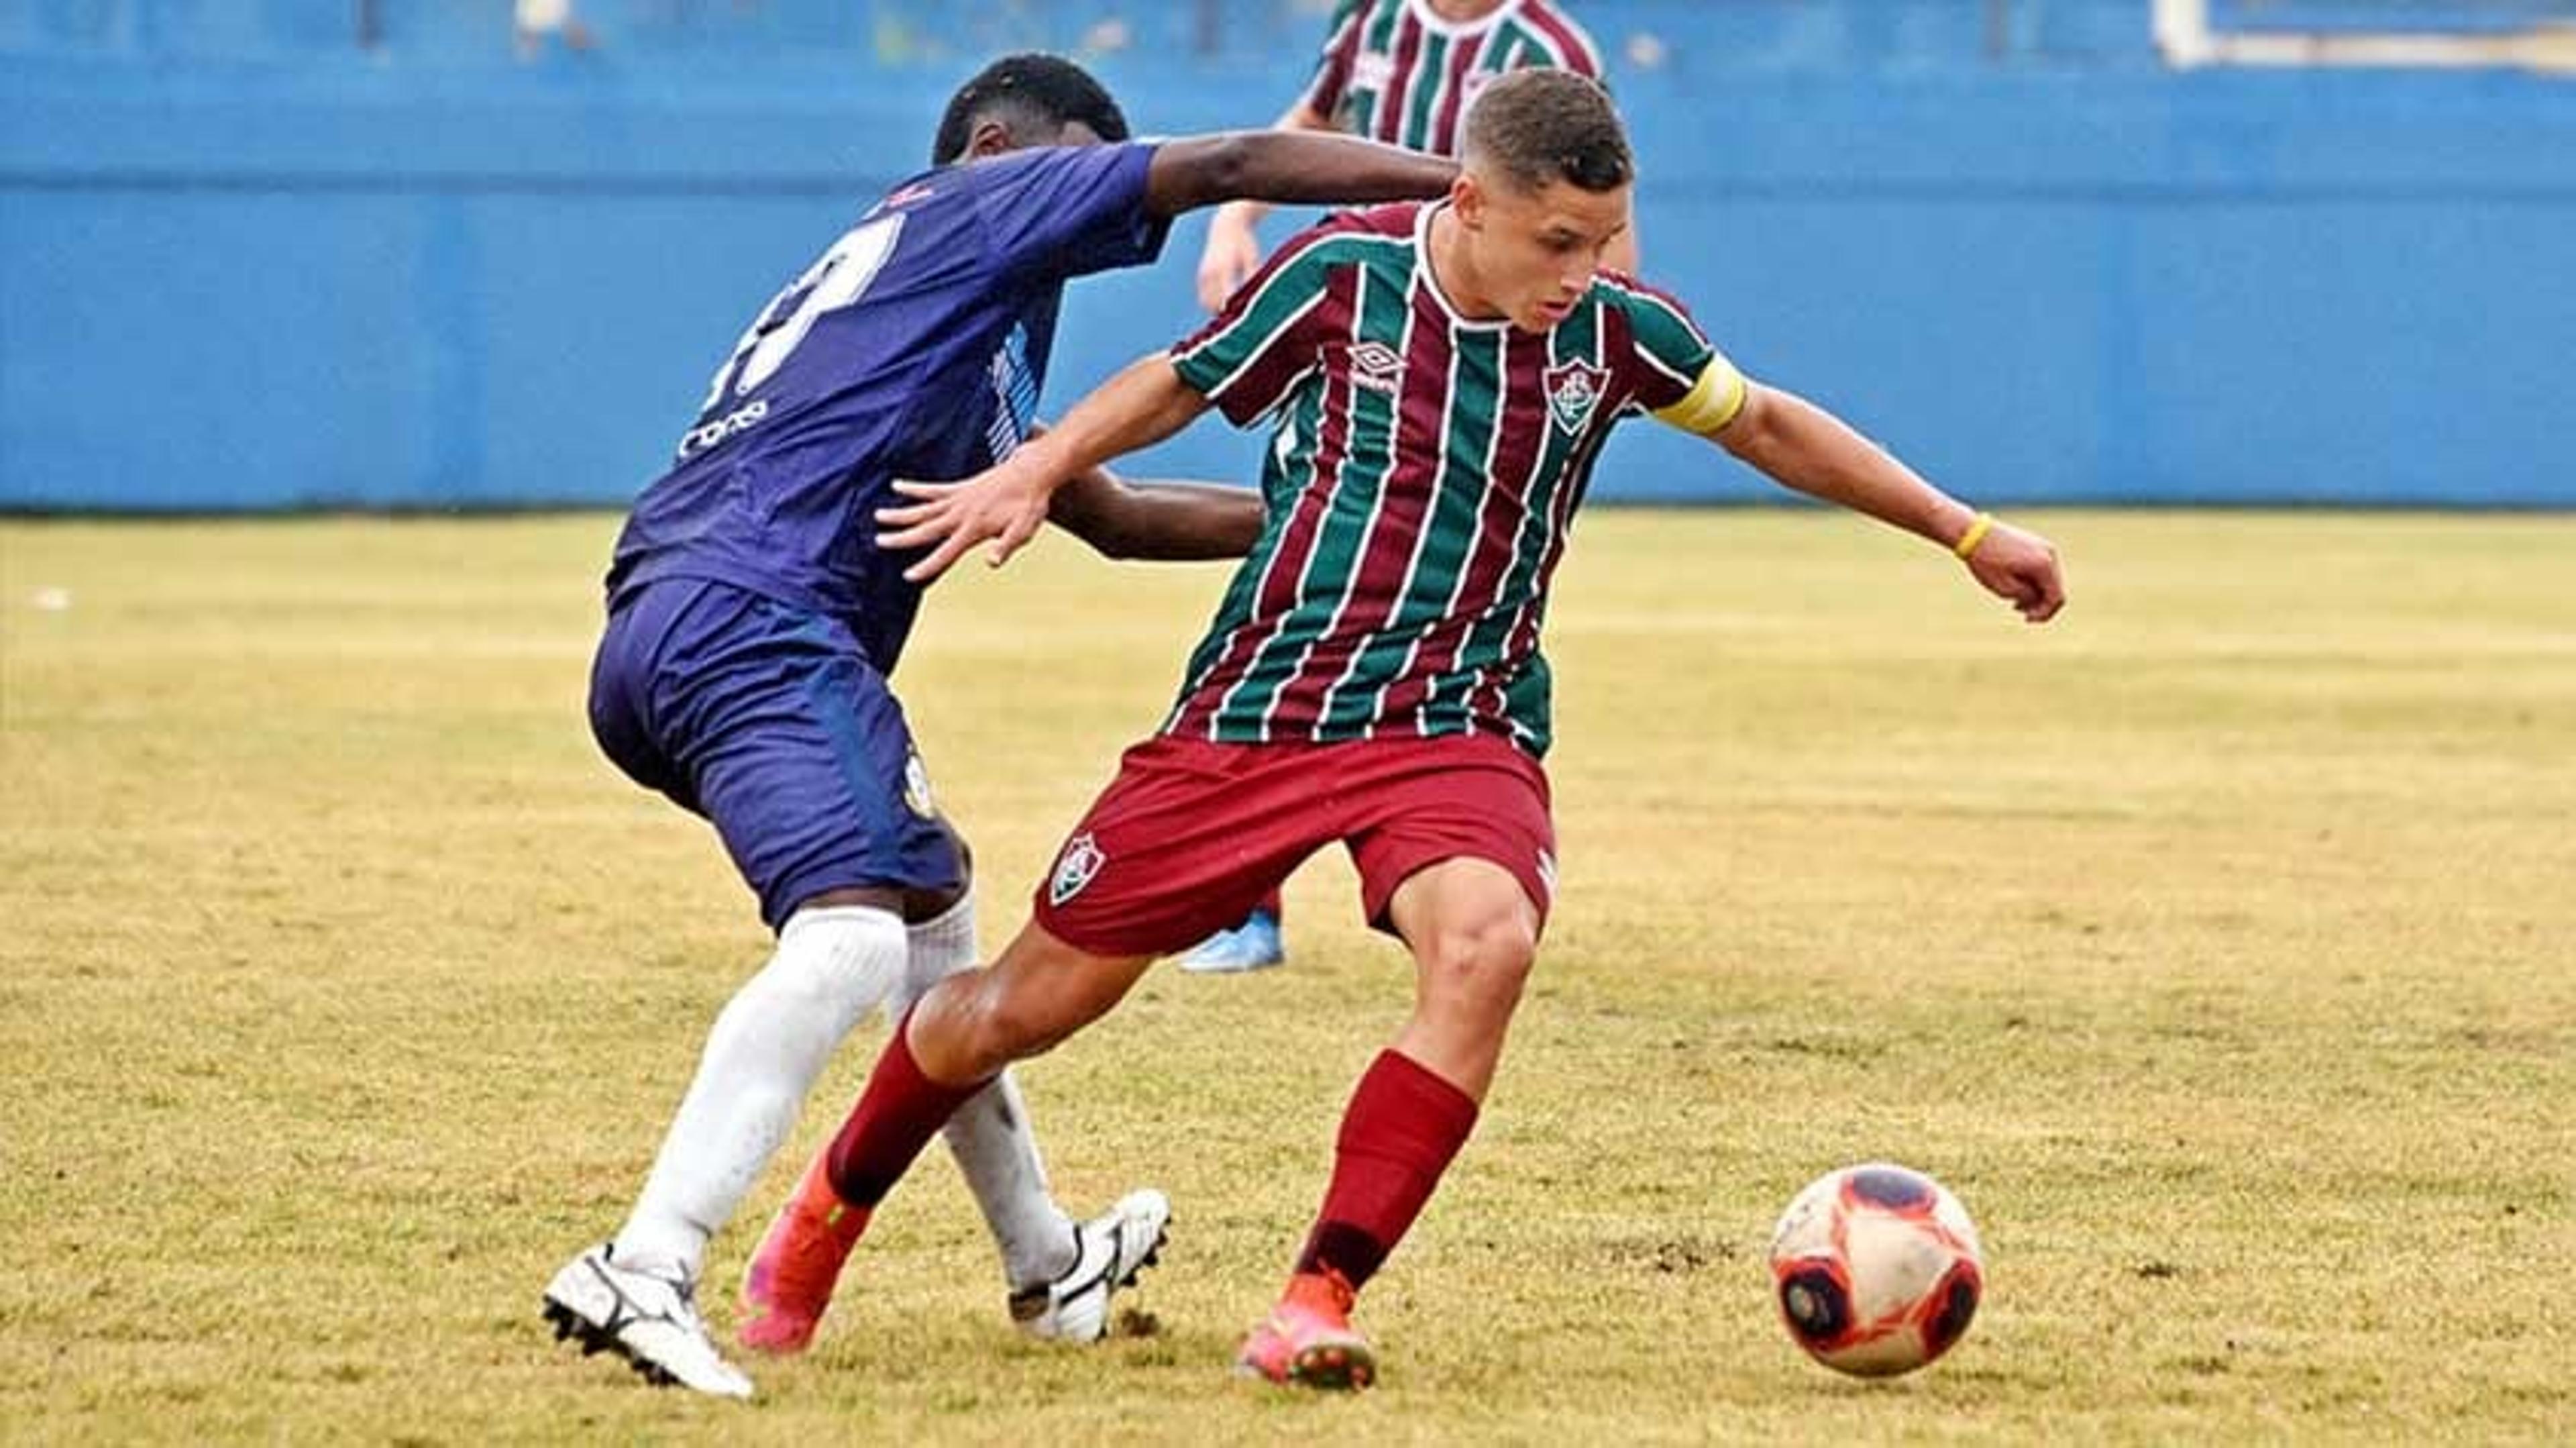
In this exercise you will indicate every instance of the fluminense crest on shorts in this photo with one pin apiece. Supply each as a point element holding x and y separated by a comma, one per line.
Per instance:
<point>1573,390</point>
<point>1078,866</point>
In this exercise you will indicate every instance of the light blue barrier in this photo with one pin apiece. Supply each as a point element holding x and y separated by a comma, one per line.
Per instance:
<point>261,284</point>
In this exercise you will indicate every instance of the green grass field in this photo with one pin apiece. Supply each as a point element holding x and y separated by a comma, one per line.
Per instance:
<point>2216,944</point>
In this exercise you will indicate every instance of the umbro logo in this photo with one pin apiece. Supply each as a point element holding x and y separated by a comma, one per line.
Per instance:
<point>1377,367</point>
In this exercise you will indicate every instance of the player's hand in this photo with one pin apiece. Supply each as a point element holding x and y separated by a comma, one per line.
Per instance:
<point>1233,254</point>
<point>1005,505</point>
<point>2020,567</point>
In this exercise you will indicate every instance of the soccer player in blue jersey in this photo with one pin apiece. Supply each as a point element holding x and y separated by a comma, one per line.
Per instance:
<point>753,619</point>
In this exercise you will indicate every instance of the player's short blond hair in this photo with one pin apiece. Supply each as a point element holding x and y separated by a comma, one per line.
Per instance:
<point>1533,127</point>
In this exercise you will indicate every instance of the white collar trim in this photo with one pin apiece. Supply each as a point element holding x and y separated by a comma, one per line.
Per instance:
<point>1459,29</point>
<point>1431,276</point>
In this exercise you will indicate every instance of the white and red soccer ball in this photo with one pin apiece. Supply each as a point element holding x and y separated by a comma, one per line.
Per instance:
<point>1876,1269</point>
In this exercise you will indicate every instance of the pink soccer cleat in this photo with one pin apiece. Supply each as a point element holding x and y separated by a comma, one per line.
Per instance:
<point>1308,1340</point>
<point>790,1282</point>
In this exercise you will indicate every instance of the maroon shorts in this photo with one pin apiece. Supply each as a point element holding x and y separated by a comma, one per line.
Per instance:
<point>1191,835</point>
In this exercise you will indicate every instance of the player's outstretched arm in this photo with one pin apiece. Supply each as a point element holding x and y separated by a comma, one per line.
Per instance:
<point>1233,251</point>
<point>1802,446</point>
<point>1008,502</point>
<point>1161,522</point>
<point>1288,167</point>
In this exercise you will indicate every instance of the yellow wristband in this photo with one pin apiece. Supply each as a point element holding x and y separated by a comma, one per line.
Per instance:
<point>1976,534</point>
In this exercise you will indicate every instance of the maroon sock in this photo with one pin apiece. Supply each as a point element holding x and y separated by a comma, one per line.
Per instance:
<point>1273,905</point>
<point>898,1112</point>
<point>1401,1129</point>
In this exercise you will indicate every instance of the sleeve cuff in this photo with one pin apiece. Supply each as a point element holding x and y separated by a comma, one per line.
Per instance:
<point>1196,372</point>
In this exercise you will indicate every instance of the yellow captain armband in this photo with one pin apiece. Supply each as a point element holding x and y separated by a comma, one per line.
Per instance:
<point>1712,403</point>
<point>1978,528</point>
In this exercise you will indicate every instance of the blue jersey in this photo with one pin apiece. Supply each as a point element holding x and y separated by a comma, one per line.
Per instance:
<point>914,348</point>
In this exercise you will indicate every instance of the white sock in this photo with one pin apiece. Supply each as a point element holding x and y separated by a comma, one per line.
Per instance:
<point>761,1059</point>
<point>990,1135</point>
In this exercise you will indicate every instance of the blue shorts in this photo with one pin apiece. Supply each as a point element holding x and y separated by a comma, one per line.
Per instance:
<point>769,721</point>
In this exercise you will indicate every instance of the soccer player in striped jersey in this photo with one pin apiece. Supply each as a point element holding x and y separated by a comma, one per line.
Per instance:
<point>1440,378</point>
<point>1400,71</point>
<point>754,619</point>
<point>1403,72</point>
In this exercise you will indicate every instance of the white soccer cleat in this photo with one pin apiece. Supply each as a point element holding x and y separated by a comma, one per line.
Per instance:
<point>652,1321</point>
<point>1110,1250</point>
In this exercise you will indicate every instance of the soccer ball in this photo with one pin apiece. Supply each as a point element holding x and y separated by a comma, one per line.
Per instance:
<point>1877,1269</point>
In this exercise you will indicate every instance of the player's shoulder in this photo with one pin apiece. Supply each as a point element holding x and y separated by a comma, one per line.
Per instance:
<point>1650,321</point>
<point>1395,221</point>
<point>1363,233</point>
<point>1553,27</point>
<point>1013,170</point>
<point>1636,298</point>
<point>914,191</point>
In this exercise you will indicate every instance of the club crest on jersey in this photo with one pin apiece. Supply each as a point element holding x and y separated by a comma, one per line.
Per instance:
<point>1077,867</point>
<point>1377,367</point>
<point>916,788</point>
<point>1573,390</point>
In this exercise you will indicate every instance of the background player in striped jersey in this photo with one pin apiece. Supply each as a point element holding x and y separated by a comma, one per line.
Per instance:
<point>1404,72</point>
<point>1400,71</point>
<point>1440,377</point>
<point>754,618</point>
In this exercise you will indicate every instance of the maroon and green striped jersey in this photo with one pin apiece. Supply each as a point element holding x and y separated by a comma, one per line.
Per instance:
<point>1418,487</point>
<point>1393,70</point>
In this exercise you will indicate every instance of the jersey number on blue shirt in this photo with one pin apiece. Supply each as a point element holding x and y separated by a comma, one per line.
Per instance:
<point>837,279</point>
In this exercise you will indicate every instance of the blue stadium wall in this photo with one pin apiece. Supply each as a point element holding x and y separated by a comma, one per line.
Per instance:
<point>250,261</point>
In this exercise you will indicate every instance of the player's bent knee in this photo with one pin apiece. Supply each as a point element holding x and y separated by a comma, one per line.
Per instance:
<point>844,958</point>
<point>922,905</point>
<point>1503,941</point>
<point>1000,1024</point>
<point>1489,957</point>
